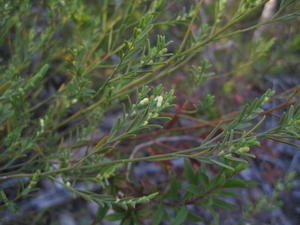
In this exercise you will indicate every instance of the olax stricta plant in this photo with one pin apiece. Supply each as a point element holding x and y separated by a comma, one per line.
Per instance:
<point>66,66</point>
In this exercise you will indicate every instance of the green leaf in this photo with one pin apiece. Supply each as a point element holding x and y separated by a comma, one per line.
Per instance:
<point>194,189</point>
<point>228,193</point>
<point>238,183</point>
<point>235,159</point>
<point>285,3</point>
<point>115,217</point>
<point>180,216</point>
<point>218,180</point>
<point>192,217</point>
<point>221,204</point>
<point>5,112</point>
<point>189,173</point>
<point>221,164</point>
<point>174,189</point>
<point>127,221</point>
<point>37,77</point>
<point>158,215</point>
<point>101,212</point>
<point>4,87</point>
<point>203,178</point>
<point>247,154</point>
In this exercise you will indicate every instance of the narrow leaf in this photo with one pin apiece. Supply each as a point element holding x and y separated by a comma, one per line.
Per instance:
<point>221,164</point>
<point>158,215</point>
<point>180,216</point>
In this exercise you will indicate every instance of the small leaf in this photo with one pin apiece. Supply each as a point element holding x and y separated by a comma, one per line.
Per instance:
<point>114,217</point>
<point>203,178</point>
<point>238,183</point>
<point>37,77</point>
<point>220,180</point>
<point>100,214</point>
<point>194,218</point>
<point>174,189</point>
<point>247,154</point>
<point>189,173</point>
<point>194,189</point>
<point>222,204</point>
<point>221,164</point>
<point>228,193</point>
<point>235,159</point>
<point>180,216</point>
<point>158,215</point>
<point>4,87</point>
<point>127,221</point>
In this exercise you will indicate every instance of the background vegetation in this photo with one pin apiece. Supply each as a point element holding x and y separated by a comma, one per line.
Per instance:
<point>149,112</point>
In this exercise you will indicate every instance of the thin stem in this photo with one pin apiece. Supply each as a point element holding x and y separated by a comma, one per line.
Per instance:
<point>189,28</point>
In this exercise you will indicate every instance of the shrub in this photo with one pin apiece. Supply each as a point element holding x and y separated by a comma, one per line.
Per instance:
<point>67,66</point>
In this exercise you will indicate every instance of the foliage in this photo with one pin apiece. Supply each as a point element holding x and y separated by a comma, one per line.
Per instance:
<point>66,65</point>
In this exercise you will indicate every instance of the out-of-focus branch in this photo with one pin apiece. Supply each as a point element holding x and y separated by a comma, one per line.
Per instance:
<point>268,11</point>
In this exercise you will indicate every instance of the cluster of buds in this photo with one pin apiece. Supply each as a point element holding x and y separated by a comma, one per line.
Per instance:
<point>244,149</point>
<point>158,99</point>
<point>163,51</point>
<point>144,101</point>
